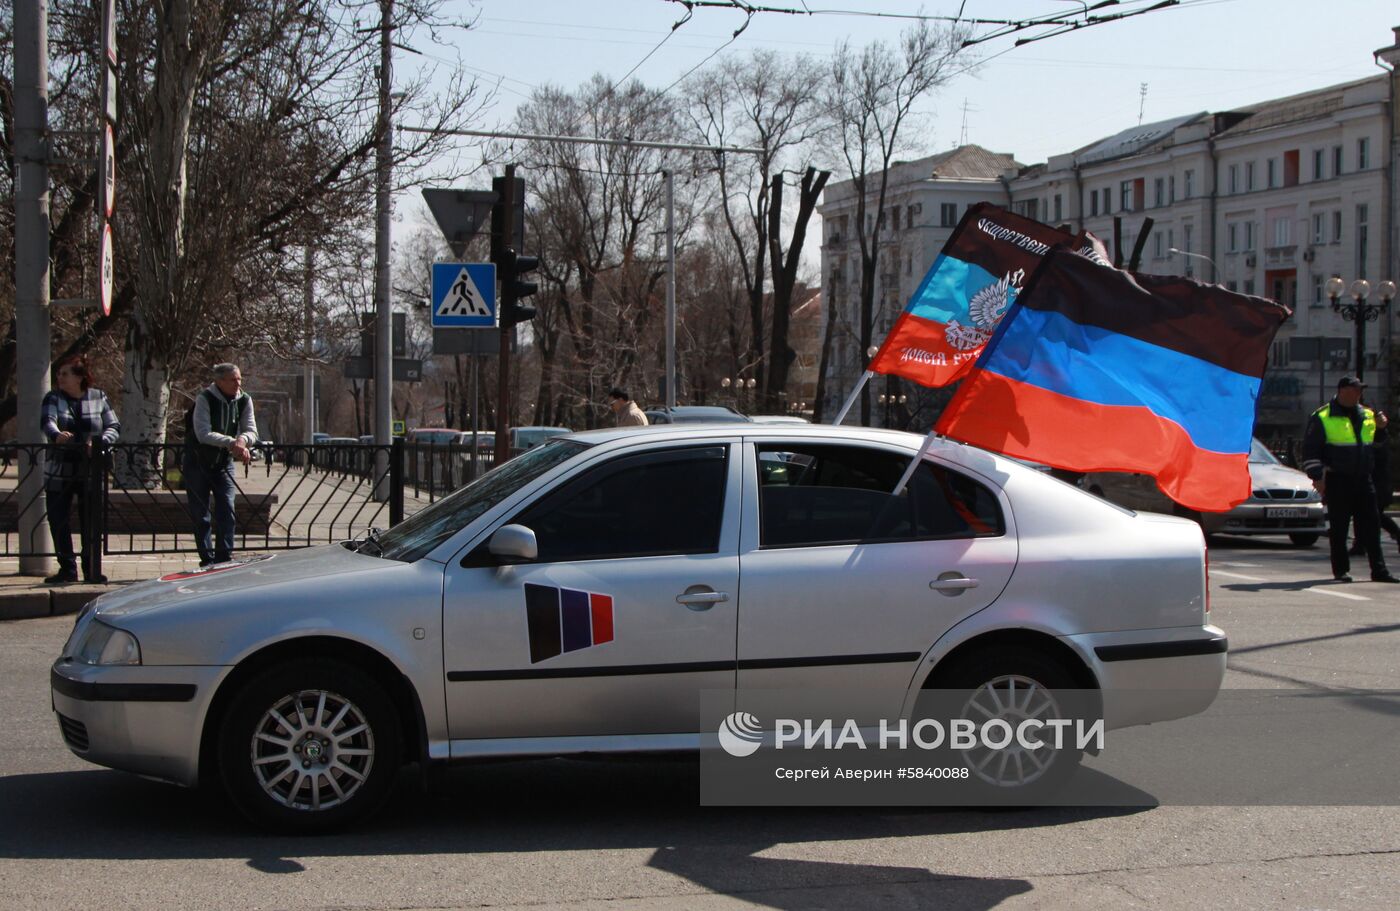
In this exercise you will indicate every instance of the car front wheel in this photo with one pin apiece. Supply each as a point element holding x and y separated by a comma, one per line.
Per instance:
<point>1303,540</point>
<point>309,746</point>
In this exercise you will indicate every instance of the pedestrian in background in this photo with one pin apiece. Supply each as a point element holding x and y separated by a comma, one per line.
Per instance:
<point>219,430</point>
<point>1339,455</point>
<point>72,417</point>
<point>625,411</point>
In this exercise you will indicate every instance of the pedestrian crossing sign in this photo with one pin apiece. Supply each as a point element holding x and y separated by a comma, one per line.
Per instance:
<point>464,296</point>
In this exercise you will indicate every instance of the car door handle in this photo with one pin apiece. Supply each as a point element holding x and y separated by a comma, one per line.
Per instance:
<point>702,600</point>
<point>951,583</point>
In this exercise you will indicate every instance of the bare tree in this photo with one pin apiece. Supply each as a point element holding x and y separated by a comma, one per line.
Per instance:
<point>598,213</point>
<point>766,102</point>
<point>870,96</point>
<point>248,127</point>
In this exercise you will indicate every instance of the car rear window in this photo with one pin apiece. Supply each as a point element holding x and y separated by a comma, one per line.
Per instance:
<point>813,495</point>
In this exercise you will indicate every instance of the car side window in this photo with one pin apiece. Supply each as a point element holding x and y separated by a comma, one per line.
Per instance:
<point>650,504</point>
<point>812,495</point>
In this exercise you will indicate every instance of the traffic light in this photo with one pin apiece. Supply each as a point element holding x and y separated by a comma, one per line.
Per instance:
<point>512,267</point>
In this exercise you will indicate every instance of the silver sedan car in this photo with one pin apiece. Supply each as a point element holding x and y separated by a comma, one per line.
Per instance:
<point>579,597</point>
<point>1282,500</point>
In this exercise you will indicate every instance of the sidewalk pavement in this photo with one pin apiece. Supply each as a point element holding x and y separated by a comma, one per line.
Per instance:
<point>25,597</point>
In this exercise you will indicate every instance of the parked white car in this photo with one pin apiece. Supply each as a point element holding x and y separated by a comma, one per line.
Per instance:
<point>1282,501</point>
<point>578,598</point>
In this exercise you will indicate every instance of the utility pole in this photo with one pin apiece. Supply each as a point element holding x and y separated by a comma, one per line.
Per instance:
<point>670,291</point>
<point>309,372</point>
<point>31,271</point>
<point>507,239</point>
<point>383,207</point>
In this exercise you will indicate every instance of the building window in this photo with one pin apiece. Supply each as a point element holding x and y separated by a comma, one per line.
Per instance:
<point>1249,286</point>
<point>1281,231</point>
<point>1059,209</point>
<point>908,264</point>
<point>1171,188</point>
<point>1249,235</point>
<point>1186,239</point>
<point>1271,173</point>
<point>1188,179</point>
<point>1319,163</point>
<point>1234,178</point>
<point>1125,196</point>
<point>1093,202</point>
<point>1318,228</point>
<point>1337,227</point>
<point>894,217</point>
<point>1336,161</point>
<point>1362,235</point>
<point>1232,238</point>
<point>948,214</point>
<point>1248,176</point>
<point>1159,193</point>
<point>1107,200</point>
<point>1170,241</point>
<point>1363,153</point>
<point>1157,247</point>
<point>1317,291</point>
<point>1230,286</point>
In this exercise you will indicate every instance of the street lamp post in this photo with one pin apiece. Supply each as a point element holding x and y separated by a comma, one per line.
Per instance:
<point>739,384</point>
<point>1359,311</point>
<point>1213,270</point>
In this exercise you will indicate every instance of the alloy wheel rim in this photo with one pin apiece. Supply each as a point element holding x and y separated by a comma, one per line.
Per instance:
<point>1012,698</point>
<point>312,750</point>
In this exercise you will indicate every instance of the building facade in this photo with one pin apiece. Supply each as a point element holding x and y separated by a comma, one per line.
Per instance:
<point>1271,199</point>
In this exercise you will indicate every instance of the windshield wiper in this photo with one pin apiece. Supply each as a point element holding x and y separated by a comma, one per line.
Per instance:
<point>371,538</point>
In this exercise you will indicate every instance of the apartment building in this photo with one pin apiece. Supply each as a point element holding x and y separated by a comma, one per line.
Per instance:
<point>1271,199</point>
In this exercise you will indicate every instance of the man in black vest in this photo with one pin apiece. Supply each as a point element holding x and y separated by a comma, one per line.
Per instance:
<point>219,430</point>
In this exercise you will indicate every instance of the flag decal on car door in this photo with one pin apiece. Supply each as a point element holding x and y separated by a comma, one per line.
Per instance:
<point>565,620</point>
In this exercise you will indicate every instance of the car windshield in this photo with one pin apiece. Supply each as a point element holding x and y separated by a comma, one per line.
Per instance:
<point>420,533</point>
<point>1260,454</point>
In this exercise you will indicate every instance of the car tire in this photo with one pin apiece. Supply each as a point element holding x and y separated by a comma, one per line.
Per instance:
<point>1013,776</point>
<point>1304,539</point>
<point>309,746</point>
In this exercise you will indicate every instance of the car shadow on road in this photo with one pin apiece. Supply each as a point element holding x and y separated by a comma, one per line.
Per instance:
<point>536,806</point>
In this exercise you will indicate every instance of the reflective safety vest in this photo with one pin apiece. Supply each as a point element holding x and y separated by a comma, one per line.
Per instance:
<point>1340,431</point>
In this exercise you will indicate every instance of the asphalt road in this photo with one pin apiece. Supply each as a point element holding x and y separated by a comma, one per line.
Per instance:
<point>620,835</point>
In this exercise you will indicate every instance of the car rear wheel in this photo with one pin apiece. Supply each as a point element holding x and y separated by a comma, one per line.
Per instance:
<point>1303,539</point>
<point>1013,685</point>
<point>309,746</point>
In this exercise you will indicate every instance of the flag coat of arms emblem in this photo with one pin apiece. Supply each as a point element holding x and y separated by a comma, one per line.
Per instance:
<point>965,294</point>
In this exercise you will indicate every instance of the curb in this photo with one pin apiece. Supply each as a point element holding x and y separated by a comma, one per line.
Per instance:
<point>30,604</point>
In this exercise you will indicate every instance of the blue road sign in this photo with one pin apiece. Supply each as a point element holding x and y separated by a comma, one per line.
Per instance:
<point>464,295</point>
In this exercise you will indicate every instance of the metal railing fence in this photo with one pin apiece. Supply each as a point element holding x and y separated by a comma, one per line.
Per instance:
<point>291,495</point>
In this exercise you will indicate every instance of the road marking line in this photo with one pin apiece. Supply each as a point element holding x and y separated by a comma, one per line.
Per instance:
<point>1221,572</point>
<point>1328,591</point>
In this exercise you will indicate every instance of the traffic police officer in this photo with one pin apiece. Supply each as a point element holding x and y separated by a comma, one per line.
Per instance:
<point>1338,455</point>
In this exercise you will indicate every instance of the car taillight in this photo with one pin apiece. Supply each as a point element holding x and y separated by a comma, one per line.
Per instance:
<point>1207,583</point>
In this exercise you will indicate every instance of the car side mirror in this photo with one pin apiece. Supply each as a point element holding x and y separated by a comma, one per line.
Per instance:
<point>514,544</point>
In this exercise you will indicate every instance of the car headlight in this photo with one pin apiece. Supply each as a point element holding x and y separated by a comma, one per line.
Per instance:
<point>1313,497</point>
<point>103,644</point>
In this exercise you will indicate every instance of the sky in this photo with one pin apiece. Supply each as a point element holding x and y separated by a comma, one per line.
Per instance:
<point>1041,99</point>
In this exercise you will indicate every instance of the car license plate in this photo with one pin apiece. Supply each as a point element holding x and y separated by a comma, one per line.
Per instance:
<point>1284,512</point>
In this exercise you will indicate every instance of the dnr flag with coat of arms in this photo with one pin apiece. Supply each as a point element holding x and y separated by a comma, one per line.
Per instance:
<point>966,292</point>
<point>1097,369</point>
